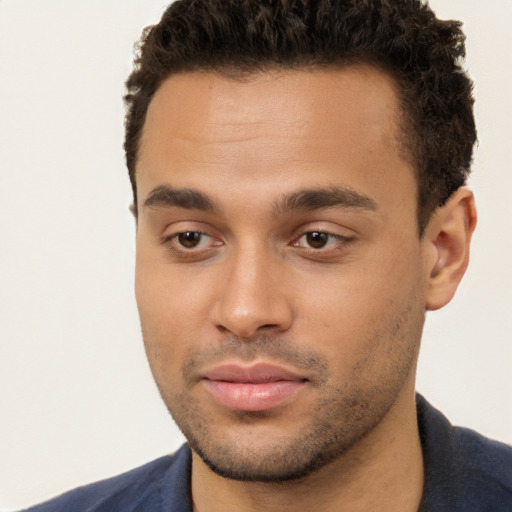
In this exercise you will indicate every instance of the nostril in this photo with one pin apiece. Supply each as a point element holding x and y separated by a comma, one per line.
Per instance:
<point>267,326</point>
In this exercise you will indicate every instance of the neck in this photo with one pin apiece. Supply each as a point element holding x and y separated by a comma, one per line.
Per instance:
<point>383,471</point>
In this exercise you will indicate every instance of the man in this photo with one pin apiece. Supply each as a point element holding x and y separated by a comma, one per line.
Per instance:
<point>298,171</point>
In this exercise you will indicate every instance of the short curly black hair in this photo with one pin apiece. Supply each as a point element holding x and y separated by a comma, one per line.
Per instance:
<point>422,53</point>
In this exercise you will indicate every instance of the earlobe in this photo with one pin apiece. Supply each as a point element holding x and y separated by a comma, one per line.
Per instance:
<point>448,236</point>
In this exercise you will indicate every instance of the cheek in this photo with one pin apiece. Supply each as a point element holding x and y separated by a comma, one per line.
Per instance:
<point>173,304</point>
<point>160,306</point>
<point>375,308</point>
<point>168,296</point>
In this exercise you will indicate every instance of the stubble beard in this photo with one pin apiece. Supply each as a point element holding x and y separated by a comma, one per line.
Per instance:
<point>340,419</point>
<point>330,434</point>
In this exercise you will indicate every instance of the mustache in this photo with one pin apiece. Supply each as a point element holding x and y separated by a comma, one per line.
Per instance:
<point>263,346</point>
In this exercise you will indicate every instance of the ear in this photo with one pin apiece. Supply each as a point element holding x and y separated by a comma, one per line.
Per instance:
<point>448,236</point>
<point>133,211</point>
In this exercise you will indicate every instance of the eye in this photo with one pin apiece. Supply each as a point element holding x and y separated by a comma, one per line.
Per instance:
<point>191,244</point>
<point>317,240</point>
<point>189,239</point>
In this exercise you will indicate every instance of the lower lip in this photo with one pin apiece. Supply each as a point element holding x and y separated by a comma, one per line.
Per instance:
<point>246,396</point>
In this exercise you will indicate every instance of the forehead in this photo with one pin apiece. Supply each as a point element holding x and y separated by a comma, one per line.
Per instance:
<point>205,129</point>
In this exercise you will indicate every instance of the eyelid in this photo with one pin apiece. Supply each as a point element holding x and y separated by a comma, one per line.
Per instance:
<point>329,228</point>
<point>341,238</point>
<point>172,236</point>
<point>181,254</point>
<point>336,236</point>
<point>175,235</point>
<point>210,240</point>
<point>187,226</point>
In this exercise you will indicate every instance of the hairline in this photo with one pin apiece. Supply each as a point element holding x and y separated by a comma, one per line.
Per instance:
<point>240,73</point>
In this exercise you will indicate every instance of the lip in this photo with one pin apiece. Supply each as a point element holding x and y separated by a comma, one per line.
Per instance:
<point>252,388</point>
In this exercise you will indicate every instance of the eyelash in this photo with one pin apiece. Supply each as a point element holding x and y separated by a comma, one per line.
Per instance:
<point>336,238</point>
<point>172,242</point>
<point>334,243</point>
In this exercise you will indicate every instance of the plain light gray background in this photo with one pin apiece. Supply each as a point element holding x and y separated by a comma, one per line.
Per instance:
<point>77,401</point>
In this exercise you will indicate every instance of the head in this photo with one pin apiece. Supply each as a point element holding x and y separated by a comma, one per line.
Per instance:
<point>297,172</point>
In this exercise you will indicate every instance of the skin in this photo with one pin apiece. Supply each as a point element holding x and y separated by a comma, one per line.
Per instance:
<point>344,309</point>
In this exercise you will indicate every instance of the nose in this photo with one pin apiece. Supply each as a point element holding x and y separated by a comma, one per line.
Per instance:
<point>252,296</point>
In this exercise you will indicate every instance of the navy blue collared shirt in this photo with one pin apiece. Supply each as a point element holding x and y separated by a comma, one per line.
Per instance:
<point>464,472</point>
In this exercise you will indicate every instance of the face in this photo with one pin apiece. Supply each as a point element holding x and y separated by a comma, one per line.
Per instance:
<point>280,278</point>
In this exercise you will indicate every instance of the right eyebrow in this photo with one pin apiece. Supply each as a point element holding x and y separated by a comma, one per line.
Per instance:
<point>165,196</point>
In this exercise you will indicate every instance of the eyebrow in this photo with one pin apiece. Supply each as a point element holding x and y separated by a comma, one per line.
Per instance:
<point>165,196</point>
<point>317,198</point>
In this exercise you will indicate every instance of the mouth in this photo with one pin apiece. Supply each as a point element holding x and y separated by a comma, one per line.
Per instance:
<point>252,388</point>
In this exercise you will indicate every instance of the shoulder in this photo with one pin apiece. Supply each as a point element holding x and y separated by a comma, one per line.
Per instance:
<point>153,486</point>
<point>486,470</point>
<point>463,470</point>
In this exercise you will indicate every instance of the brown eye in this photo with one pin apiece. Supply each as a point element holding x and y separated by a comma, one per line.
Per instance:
<point>316,239</point>
<point>189,239</point>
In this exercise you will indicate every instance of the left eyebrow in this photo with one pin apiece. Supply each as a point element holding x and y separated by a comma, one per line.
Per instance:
<point>317,198</point>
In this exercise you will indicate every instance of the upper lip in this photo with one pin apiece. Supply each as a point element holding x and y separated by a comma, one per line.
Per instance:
<point>254,374</point>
